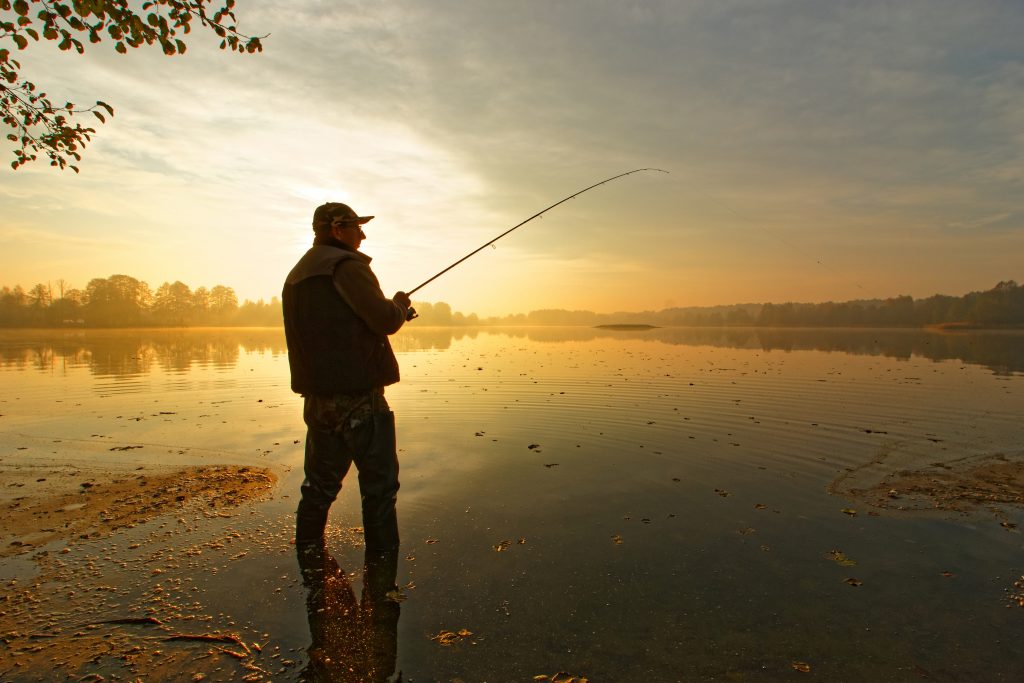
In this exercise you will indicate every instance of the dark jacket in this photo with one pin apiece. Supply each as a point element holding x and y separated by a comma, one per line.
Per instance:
<point>331,349</point>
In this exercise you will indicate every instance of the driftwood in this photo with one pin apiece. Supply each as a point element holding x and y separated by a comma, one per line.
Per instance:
<point>210,638</point>
<point>132,620</point>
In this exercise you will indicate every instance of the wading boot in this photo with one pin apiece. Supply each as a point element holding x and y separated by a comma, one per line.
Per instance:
<point>309,526</point>
<point>382,537</point>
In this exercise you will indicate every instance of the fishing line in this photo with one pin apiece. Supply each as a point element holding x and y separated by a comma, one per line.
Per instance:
<point>519,225</point>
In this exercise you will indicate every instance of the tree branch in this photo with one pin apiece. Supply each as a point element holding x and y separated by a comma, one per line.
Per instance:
<point>157,21</point>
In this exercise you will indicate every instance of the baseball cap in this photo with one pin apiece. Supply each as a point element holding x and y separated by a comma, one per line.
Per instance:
<point>326,214</point>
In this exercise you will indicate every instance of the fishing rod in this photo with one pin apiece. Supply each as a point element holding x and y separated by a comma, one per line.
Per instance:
<point>412,312</point>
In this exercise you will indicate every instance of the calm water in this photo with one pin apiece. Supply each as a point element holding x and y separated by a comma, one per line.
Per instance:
<point>660,497</point>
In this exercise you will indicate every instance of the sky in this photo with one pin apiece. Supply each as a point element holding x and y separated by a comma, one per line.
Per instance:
<point>817,151</point>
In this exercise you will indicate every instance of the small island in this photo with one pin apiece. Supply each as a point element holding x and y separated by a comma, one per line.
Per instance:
<point>626,326</point>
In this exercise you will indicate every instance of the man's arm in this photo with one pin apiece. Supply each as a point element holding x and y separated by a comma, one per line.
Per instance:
<point>359,287</point>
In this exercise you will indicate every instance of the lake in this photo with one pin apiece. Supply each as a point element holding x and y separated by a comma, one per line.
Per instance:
<point>666,504</point>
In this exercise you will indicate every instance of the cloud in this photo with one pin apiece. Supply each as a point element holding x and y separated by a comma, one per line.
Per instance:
<point>979,222</point>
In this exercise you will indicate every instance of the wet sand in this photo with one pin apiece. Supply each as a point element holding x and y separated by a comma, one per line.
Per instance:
<point>93,551</point>
<point>45,502</point>
<point>988,481</point>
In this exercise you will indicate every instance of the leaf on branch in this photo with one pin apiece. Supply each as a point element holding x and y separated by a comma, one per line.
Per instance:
<point>39,129</point>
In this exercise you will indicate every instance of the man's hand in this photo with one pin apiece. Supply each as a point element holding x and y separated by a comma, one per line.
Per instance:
<point>402,298</point>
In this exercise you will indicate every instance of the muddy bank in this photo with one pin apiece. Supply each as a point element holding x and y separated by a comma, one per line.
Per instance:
<point>991,481</point>
<point>44,503</point>
<point>119,589</point>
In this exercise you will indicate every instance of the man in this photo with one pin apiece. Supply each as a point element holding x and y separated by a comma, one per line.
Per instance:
<point>337,322</point>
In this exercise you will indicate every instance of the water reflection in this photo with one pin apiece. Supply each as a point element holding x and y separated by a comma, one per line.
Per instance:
<point>123,353</point>
<point>352,640</point>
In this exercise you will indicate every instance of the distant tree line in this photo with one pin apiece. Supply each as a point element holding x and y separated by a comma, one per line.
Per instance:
<point>1001,306</point>
<point>123,301</point>
<point>441,315</point>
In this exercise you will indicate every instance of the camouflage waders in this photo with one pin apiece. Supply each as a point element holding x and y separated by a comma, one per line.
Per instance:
<point>342,429</point>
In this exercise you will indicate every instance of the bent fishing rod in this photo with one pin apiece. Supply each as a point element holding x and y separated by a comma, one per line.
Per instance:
<point>412,313</point>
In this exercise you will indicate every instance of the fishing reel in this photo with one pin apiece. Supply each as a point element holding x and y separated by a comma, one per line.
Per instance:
<point>410,314</point>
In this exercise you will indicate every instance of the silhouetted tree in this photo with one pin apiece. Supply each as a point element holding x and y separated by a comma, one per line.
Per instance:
<point>172,303</point>
<point>119,300</point>
<point>223,304</point>
<point>41,126</point>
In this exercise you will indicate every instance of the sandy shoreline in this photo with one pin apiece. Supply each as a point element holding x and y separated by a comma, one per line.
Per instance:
<point>59,489</point>
<point>986,481</point>
<point>69,617</point>
<point>82,503</point>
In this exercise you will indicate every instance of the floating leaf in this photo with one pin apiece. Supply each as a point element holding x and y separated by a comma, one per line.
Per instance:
<point>850,511</point>
<point>447,638</point>
<point>1016,594</point>
<point>722,492</point>
<point>802,667</point>
<point>561,677</point>
<point>840,558</point>
<point>853,582</point>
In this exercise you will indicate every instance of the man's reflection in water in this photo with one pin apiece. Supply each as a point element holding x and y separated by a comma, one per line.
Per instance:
<point>352,640</point>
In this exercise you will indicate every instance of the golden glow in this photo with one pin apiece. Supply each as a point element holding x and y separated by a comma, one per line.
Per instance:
<point>209,172</point>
